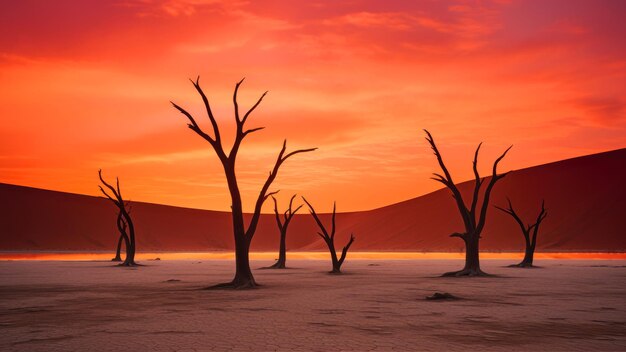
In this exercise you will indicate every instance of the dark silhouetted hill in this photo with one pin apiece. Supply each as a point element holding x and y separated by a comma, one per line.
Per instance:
<point>585,198</point>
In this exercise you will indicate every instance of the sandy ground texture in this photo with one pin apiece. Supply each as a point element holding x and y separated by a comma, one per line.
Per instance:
<point>567,305</point>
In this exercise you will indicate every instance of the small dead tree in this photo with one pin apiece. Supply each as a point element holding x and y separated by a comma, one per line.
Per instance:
<point>123,219</point>
<point>473,218</point>
<point>531,241</point>
<point>243,235</point>
<point>329,238</point>
<point>282,227</point>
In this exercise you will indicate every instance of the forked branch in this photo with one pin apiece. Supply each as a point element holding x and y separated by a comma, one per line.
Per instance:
<point>287,215</point>
<point>270,178</point>
<point>329,237</point>
<point>344,252</point>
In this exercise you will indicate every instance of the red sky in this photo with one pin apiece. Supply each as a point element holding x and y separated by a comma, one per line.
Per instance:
<point>87,84</point>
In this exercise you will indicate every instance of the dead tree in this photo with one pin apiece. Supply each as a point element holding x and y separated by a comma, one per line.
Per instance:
<point>282,227</point>
<point>531,241</point>
<point>123,220</point>
<point>473,217</point>
<point>243,235</point>
<point>329,238</point>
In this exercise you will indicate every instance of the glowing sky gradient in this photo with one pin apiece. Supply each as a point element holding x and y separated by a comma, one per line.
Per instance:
<point>87,84</point>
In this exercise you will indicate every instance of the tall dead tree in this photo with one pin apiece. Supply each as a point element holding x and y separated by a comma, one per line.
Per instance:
<point>283,225</point>
<point>243,235</point>
<point>473,217</point>
<point>531,241</point>
<point>123,220</point>
<point>329,238</point>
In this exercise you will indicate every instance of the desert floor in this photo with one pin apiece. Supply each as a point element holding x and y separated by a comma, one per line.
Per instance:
<point>566,305</point>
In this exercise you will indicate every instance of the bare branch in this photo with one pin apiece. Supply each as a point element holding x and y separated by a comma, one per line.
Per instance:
<point>245,117</point>
<point>272,175</point>
<point>431,141</point>
<point>235,101</point>
<point>344,252</point>
<point>194,127</point>
<point>495,164</point>
<point>270,194</point>
<point>292,213</point>
<point>118,200</point>
<point>502,209</point>
<point>478,183</point>
<point>542,215</point>
<point>317,220</point>
<point>298,152</point>
<point>448,182</point>
<point>332,232</point>
<point>241,134</point>
<point>193,124</point>
<point>117,185</point>
<point>456,234</point>
<point>441,179</point>
<point>247,132</point>
<point>494,178</point>
<point>216,130</point>
<point>511,211</point>
<point>291,203</point>
<point>277,214</point>
<point>107,195</point>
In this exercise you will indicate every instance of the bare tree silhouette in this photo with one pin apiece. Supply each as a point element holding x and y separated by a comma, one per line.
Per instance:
<point>473,220</point>
<point>531,241</point>
<point>283,225</point>
<point>329,238</point>
<point>123,219</point>
<point>243,236</point>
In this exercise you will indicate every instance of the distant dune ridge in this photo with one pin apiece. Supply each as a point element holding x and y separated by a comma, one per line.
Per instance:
<point>585,198</point>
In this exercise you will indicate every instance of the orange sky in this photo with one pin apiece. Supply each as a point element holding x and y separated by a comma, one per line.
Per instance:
<point>87,84</point>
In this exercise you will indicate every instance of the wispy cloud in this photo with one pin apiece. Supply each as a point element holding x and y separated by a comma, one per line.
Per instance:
<point>357,79</point>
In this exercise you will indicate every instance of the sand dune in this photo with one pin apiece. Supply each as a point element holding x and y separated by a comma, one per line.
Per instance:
<point>585,198</point>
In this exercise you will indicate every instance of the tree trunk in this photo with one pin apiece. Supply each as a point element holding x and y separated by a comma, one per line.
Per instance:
<point>130,246</point>
<point>472,261</point>
<point>333,257</point>
<point>282,252</point>
<point>282,255</point>
<point>118,256</point>
<point>243,275</point>
<point>529,253</point>
<point>130,254</point>
<point>527,262</point>
<point>130,257</point>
